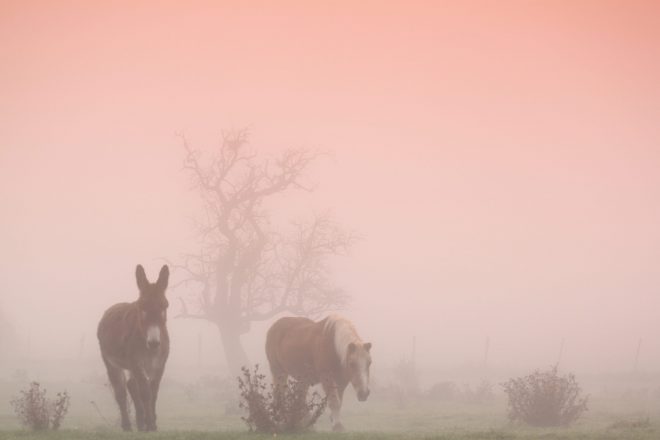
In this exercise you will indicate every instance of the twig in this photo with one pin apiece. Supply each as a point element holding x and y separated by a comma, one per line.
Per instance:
<point>98,411</point>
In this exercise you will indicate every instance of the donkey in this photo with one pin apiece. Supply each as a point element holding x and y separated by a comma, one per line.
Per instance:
<point>133,337</point>
<point>329,351</point>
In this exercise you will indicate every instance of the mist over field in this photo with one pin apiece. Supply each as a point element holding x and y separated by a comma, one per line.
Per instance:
<point>497,163</point>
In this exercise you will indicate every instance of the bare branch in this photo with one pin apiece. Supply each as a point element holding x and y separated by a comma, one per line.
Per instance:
<point>245,270</point>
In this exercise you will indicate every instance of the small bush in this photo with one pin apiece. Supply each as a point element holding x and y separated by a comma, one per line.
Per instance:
<point>481,393</point>
<point>38,413</point>
<point>544,398</point>
<point>191,391</point>
<point>443,391</point>
<point>294,411</point>
<point>407,377</point>
<point>641,423</point>
<point>20,375</point>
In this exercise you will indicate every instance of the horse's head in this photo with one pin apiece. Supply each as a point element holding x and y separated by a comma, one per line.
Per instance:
<point>152,305</point>
<point>358,361</point>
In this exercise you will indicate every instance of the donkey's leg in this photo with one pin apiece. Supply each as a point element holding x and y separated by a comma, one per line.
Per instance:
<point>118,382</point>
<point>334,397</point>
<point>155,386</point>
<point>137,402</point>
<point>144,390</point>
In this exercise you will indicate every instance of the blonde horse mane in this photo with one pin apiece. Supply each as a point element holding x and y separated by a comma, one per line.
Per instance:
<point>343,333</point>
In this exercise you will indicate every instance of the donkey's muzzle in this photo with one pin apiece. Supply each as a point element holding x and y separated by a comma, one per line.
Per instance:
<point>153,337</point>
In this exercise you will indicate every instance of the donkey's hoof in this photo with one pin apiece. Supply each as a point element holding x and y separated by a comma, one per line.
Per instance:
<point>338,427</point>
<point>126,427</point>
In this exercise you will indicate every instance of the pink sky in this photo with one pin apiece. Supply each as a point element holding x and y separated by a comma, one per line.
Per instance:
<point>500,158</point>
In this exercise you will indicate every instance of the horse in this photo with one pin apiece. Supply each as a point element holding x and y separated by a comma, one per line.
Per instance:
<point>133,337</point>
<point>328,351</point>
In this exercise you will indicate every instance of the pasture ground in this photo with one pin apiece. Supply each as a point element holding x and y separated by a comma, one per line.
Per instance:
<point>619,408</point>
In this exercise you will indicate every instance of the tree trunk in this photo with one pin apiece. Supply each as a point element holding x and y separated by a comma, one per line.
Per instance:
<point>233,348</point>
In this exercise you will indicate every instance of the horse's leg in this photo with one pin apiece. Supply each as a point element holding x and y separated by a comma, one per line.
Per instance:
<point>334,397</point>
<point>340,399</point>
<point>155,386</point>
<point>118,382</point>
<point>137,402</point>
<point>306,415</point>
<point>340,391</point>
<point>279,382</point>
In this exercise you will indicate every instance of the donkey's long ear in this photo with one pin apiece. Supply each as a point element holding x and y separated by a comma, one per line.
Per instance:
<point>367,346</point>
<point>141,278</point>
<point>163,277</point>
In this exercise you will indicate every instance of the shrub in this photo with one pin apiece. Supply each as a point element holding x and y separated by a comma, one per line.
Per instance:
<point>293,411</point>
<point>641,423</point>
<point>407,377</point>
<point>216,387</point>
<point>37,412</point>
<point>544,398</point>
<point>443,391</point>
<point>191,391</point>
<point>450,391</point>
<point>481,393</point>
<point>20,375</point>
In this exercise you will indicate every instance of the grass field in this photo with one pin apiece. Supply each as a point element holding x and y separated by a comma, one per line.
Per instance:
<point>201,410</point>
<point>583,433</point>
<point>378,420</point>
<point>201,435</point>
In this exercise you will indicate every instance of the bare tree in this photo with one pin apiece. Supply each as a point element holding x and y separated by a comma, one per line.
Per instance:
<point>244,270</point>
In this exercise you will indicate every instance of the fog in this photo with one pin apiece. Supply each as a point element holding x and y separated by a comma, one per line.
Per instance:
<point>499,164</point>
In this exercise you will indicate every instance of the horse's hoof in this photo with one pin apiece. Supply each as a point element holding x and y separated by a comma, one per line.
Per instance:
<point>338,427</point>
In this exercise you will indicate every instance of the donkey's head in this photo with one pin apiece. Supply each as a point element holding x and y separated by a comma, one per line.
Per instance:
<point>358,361</point>
<point>152,305</point>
